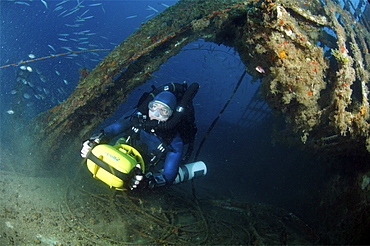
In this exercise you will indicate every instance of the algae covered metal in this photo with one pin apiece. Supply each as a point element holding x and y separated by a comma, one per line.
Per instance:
<point>311,58</point>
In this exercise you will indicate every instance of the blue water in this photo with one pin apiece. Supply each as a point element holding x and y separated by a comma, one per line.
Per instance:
<point>38,30</point>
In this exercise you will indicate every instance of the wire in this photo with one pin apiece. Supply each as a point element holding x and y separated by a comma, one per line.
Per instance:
<point>219,115</point>
<point>52,56</point>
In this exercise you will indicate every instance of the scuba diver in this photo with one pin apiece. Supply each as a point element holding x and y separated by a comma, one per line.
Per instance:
<point>158,128</point>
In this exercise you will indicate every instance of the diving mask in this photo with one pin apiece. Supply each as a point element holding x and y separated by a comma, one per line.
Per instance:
<point>159,111</point>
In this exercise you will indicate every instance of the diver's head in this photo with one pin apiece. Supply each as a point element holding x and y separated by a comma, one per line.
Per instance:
<point>162,106</point>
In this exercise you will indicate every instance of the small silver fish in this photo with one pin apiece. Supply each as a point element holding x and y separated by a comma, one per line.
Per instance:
<point>131,16</point>
<point>45,3</point>
<point>22,3</point>
<point>51,47</point>
<point>151,8</point>
<point>94,4</point>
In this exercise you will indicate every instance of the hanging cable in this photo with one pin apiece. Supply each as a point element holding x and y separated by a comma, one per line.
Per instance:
<point>52,56</point>
<point>219,115</point>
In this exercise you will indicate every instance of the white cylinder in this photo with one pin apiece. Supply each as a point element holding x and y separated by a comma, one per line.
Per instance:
<point>190,171</point>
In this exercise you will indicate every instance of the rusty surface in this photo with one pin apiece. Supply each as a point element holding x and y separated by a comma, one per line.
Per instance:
<point>319,95</point>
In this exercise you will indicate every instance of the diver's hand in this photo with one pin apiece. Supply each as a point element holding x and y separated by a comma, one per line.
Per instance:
<point>92,142</point>
<point>137,179</point>
<point>150,125</point>
<point>86,147</point>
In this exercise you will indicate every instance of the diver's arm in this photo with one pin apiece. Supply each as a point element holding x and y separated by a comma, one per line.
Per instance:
<point>118,127</point>
<point>173,159</point>
<point>107,134</point>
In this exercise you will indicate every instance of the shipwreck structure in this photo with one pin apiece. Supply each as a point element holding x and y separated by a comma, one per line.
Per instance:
<point>311,57</point>
<point>312,60</point>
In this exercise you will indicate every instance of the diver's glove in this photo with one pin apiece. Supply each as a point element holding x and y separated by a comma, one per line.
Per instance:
<point>92,142</point>
<point>137,178</point>
<point>150,125</point>
<point>86,147</point>
<point>155,180</point>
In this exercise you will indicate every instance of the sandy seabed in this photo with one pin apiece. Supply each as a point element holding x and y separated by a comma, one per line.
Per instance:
<point>83,211</point>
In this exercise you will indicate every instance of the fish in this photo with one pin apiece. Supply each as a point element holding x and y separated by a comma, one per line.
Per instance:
<point>63,12</point>
<point>24,81</point>
<point>260,69</point>
<point>69,13</point>
<point>10,111</point>
<point>13,92</point>
<point>65,81</point>
<point>58,8</point>
<point>63,39</point>
<point>22,3</point>
<point>51,47</point>
<point>57,72</point>
<point>63,2</point>
<point>88,17</point>
<point>27,96</point>
<point>45,3</point>
<point>46,91</point>
<point>30,84</point>
<point>94,4</point>
<point>131,16</point>
<point>74,25</point>
<point>63,34</point>
<point>67,48</point>
<point>83,14</point>
<point>165,5</point>
<point>104,37</point>
<point>151,8</point>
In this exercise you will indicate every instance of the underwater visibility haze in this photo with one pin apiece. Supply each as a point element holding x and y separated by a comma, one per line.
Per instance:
<point>282,115</point>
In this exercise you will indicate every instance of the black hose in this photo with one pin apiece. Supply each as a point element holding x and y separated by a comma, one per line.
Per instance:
<point>219,115</point>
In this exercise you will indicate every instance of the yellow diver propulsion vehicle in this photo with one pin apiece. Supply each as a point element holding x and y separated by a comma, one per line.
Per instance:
<point>114,165</point>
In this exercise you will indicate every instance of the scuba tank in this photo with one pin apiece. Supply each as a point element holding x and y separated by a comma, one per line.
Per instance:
<point>190,171</point>
<point>185,173</point>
